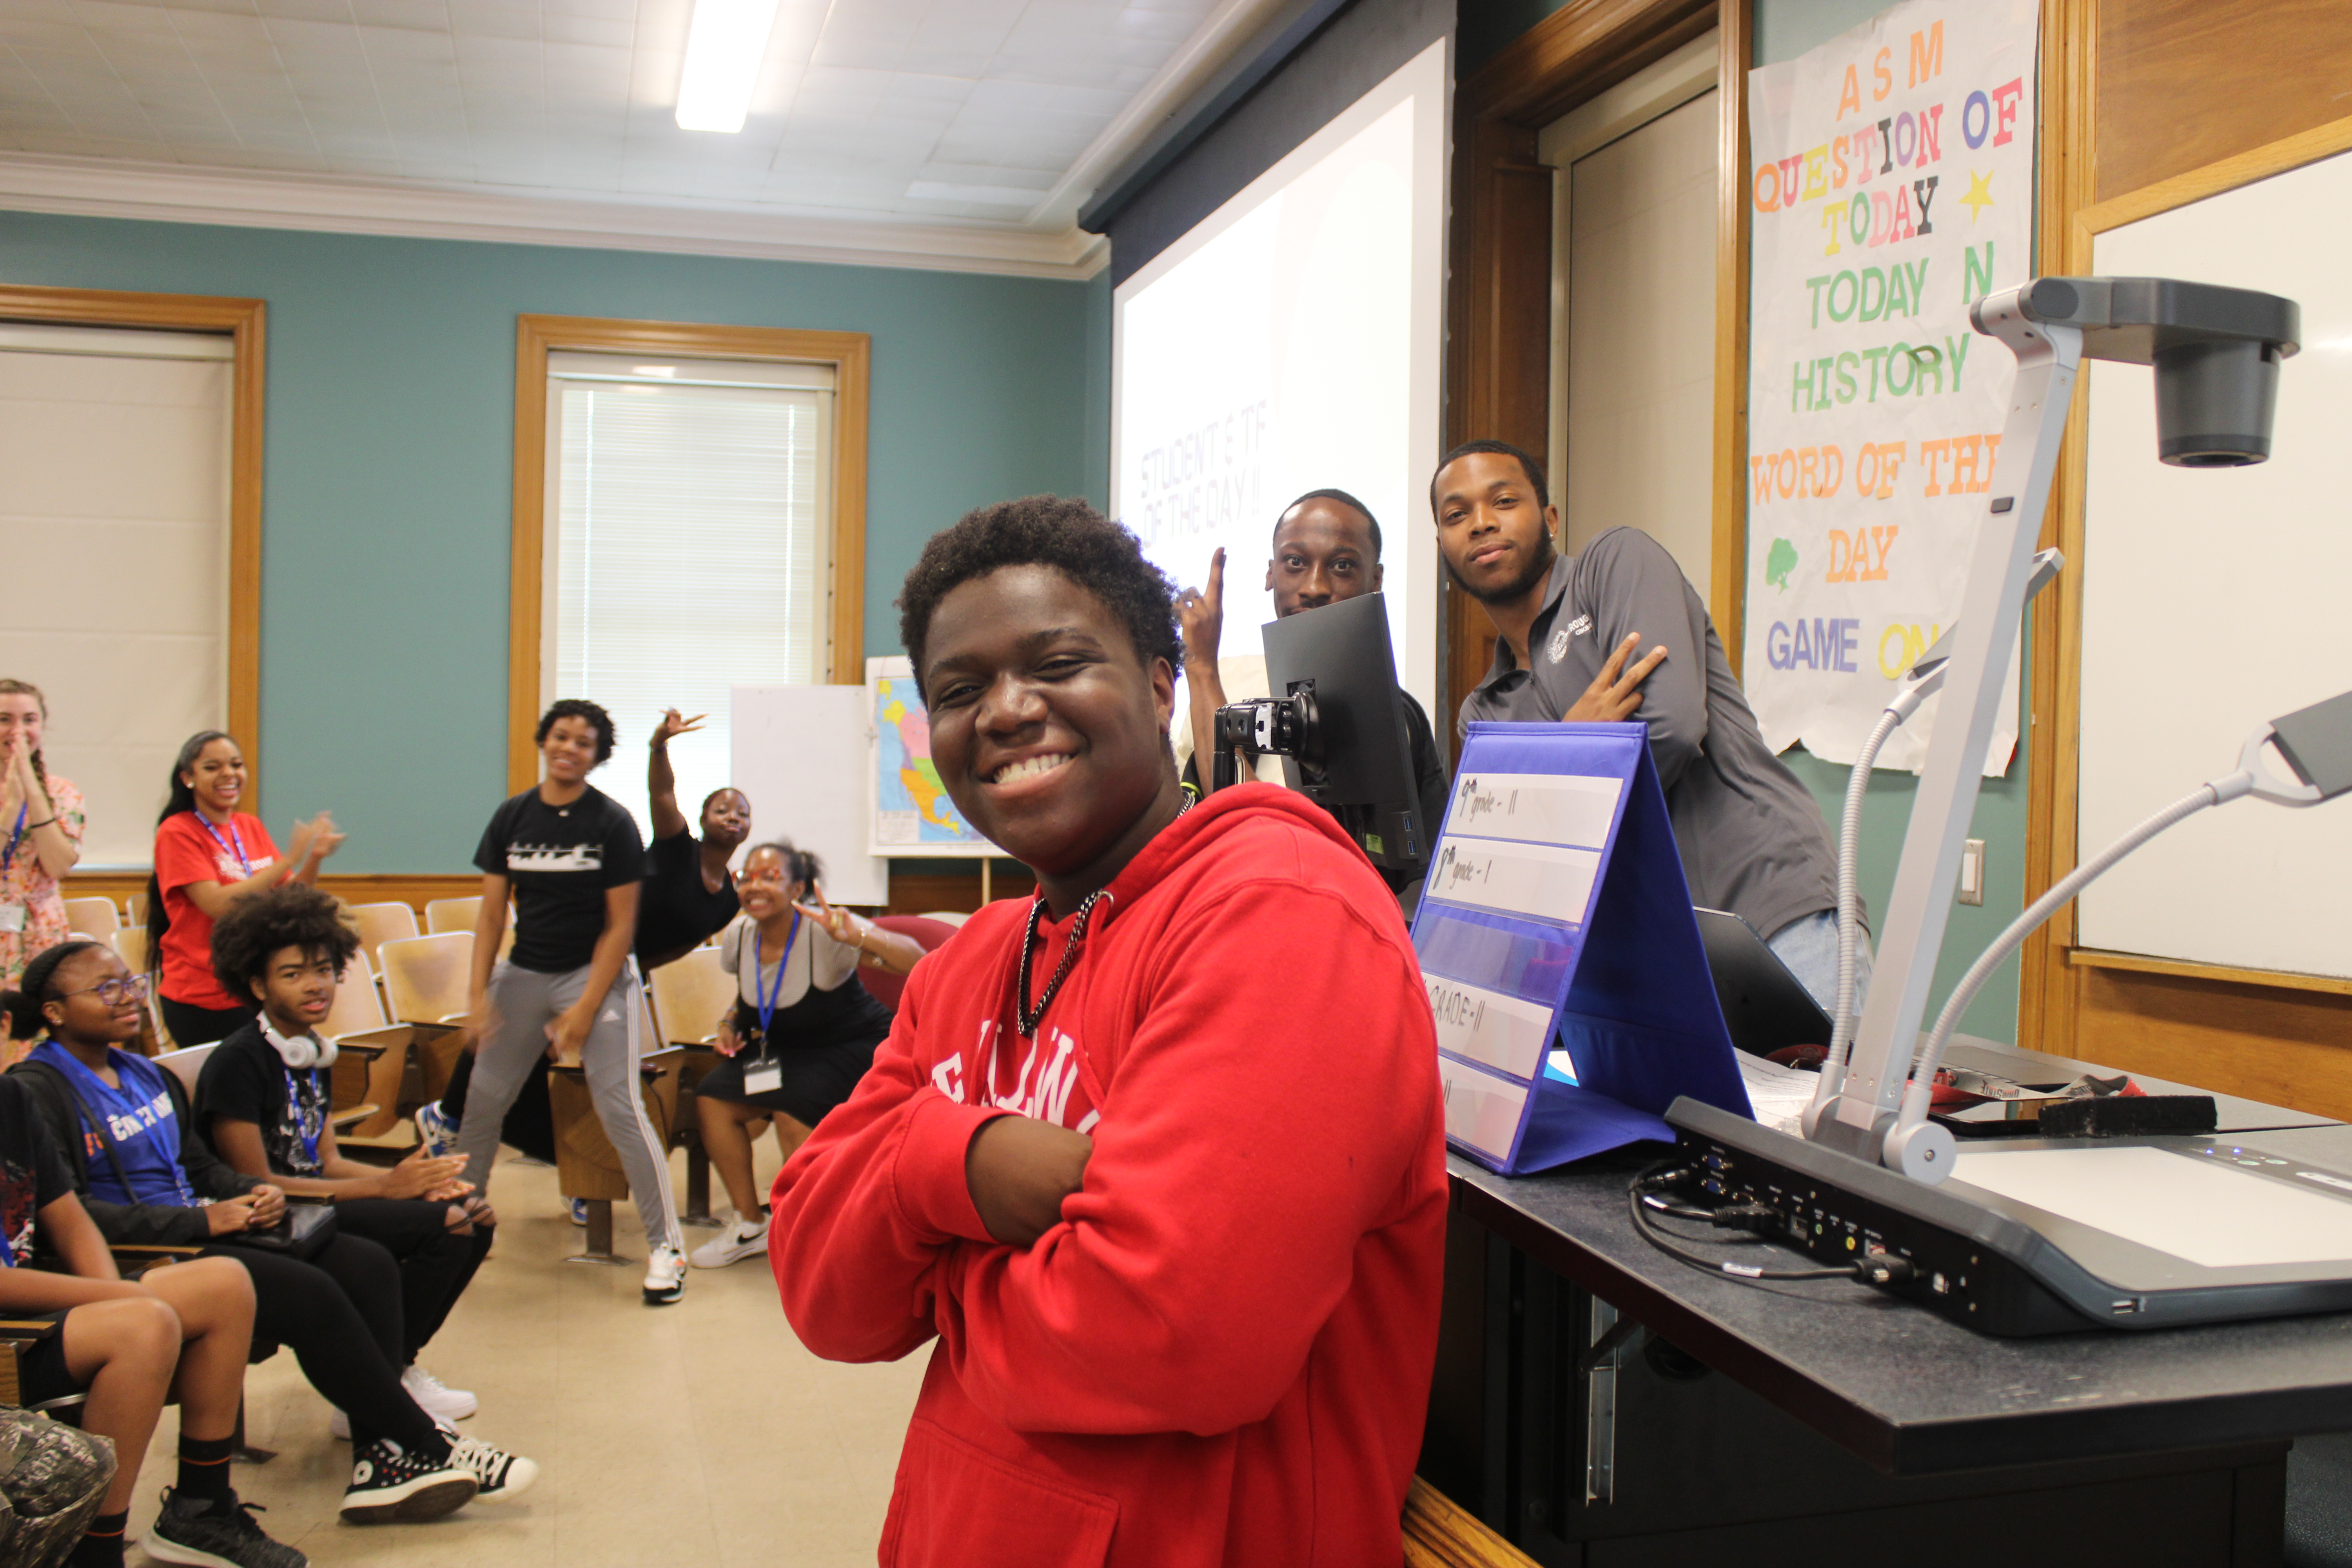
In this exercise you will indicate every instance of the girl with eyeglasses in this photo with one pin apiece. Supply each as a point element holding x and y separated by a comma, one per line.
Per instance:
<point>801,1031</point>
<point>40,824</point>
<point>208,855</point>
<point>121,1123</point>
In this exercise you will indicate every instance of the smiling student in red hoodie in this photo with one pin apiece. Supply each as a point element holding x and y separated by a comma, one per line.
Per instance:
<point>1158,1158</point>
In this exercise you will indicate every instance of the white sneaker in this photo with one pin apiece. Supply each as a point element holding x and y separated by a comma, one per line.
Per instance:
<point>502,1475</point>
<point>664,1276</point>
<point>736,1243</point>
<point>435,1397</point>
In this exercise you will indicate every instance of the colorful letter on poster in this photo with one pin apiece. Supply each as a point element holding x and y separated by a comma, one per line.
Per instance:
<point>1892,187</point>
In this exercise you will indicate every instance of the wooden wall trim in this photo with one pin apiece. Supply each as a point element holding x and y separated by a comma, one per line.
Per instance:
<point>2047,988</point>
<point>850,355</point>
<point>245,322</point>
<point>2140,963</point>
<point>357,887</point>
<point>2227,175</point>
<point>1499,351</point>
<point>1726,592</point>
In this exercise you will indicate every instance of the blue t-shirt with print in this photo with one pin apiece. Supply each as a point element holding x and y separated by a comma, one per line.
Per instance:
<point>136,1118</point>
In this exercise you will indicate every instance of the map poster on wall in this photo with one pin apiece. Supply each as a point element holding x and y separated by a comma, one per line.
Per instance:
<point>1892,187</point>
<point>912,814</point>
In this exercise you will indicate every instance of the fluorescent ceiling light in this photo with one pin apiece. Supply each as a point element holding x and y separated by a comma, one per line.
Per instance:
<point>724,47</point>
<point>653,370</point>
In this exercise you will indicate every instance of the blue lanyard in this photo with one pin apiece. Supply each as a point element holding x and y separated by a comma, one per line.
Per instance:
<point>764,999</point>
<point>231,845</point>
<point>304,1129</point>
<point>8,858</point>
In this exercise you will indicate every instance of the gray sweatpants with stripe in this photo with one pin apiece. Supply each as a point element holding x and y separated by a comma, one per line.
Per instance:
<point>526,1002</point>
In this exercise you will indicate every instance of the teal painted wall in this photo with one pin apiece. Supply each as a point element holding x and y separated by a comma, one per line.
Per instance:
<point>388,459</point>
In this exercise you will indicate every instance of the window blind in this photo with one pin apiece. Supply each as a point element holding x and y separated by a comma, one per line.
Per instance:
<point>690,523</point>
<point>114,513</point>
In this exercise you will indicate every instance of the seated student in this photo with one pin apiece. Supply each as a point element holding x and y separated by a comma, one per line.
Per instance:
<point>118,1119</point>
<point>569,857</point>
<point>1751,835</point>
<point>1158,1160</point>
<point>263,1102</point>
<point>800,1034</point>
<point>208,855</point>
<point>179,1333</point>
<point>689,893</point>
<point>1327,548</point>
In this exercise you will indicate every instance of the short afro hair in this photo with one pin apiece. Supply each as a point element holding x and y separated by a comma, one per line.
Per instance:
<point>579,708</point>
<point>1063,533</point>
<point>1344,498</point>
<point>1527,465</point>
<point>292,914</point>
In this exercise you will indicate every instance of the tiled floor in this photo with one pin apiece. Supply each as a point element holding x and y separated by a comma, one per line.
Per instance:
<point>699,1433</point>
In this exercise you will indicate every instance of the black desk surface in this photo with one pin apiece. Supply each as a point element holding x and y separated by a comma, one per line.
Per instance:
<point>1912,1393</point>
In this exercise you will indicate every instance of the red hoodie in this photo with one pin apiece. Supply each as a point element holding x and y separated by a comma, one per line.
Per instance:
<point>1221,1353</point>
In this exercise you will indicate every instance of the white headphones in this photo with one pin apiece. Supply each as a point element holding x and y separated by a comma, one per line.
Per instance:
<point>304,1051</point>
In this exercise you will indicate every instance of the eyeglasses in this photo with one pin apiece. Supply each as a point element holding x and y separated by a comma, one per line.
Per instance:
<point>114,991</point>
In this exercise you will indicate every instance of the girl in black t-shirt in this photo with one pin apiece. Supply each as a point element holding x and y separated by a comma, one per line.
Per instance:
<point>570,858</point>
<point>690,894</point>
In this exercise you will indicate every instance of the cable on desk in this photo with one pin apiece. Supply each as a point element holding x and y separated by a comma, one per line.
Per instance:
<point>1877,1268</point>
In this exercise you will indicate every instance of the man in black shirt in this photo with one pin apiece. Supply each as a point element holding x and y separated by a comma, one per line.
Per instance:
<point>1327,547</point>
<point>689,893</point>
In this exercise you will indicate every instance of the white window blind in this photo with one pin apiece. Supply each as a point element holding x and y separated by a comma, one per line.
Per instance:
<point>114,515</point>
<point>687,531</point>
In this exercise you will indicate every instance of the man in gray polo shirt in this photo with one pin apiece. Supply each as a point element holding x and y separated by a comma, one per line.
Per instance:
<point>1752,840</point>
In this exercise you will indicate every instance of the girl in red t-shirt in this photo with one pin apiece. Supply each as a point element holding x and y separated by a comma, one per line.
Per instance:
<point>208,854</point>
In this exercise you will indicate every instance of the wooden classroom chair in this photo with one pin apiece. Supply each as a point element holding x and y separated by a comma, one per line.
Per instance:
<point>380,923</point>
<point>96,918</point>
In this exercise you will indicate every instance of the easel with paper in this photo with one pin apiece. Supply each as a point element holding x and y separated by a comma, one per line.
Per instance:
<point>1556,913</point>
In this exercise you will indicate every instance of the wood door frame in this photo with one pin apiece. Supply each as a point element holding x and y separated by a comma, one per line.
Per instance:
<point>2058,971</point>
<point>246,323</point>
<point>1498,372</point>
<point>850,356</point>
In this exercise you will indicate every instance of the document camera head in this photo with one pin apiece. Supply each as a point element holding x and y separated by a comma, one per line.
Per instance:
<point>2216,352</point>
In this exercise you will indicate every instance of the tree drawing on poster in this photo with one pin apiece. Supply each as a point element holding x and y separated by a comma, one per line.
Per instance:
<point>912,812</point>
<point>1892,188</point>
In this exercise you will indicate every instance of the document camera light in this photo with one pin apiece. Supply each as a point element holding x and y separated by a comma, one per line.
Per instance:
<point>2215,350</point>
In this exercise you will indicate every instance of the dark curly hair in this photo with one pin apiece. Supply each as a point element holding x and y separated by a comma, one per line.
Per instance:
<point>292,914</point>
<point>1063,533</point>
<point>1527,465</point>
<point>38,987</point>
<point>579,708</point>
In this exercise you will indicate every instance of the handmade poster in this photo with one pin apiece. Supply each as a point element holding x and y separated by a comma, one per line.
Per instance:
<point>912,814</point>
<point>1892,187</point>
<point>1555,932</point>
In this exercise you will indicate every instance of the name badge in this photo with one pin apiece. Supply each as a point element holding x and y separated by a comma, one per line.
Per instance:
<point>763,1077</point>
<point>12,918</point>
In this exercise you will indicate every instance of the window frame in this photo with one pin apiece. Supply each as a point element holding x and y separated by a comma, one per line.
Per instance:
<point>849,354</point>
<point>245,323</point>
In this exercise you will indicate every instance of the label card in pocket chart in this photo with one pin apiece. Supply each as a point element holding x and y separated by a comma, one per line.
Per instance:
<point>1556,917</point>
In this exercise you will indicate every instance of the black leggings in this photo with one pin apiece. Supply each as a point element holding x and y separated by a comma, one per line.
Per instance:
<point>194,1025</point>
<point>436,1262</point>
<point>340,1314</point>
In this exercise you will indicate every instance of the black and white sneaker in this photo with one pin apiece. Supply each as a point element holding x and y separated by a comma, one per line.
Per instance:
<point>216,1535</point>
<point>501,1475</point>
<point>393,1485</point>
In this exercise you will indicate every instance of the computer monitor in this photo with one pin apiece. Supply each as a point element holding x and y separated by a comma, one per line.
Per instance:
<point>1354,758</point>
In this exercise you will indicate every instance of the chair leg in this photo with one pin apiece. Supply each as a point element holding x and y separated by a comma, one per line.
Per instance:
<point>597,1245</point>
<point>697,1185</point>
<point>241,1449</point>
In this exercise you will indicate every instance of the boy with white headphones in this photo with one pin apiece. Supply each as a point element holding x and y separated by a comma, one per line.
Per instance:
<point>263,1102</point>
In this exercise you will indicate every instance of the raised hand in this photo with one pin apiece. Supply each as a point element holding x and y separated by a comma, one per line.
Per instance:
<point>672,726</point>
<point>838,924</point>
<point>1615,694</point>
<point>330,837</point>
<point>1200,615</point>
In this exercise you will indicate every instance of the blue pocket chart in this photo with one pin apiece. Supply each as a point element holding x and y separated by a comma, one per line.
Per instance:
<point>1556,916</point>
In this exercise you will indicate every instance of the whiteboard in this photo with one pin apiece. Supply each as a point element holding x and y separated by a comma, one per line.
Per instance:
<point>800,756</point>
<point>2212,601</point>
